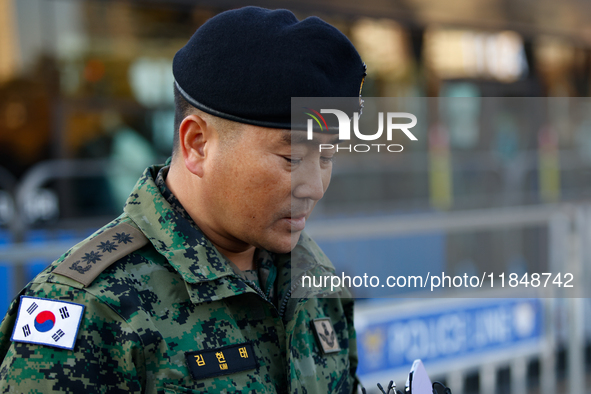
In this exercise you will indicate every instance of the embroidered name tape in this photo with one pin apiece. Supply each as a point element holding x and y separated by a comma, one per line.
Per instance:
<point>226,360</point>
<point>47,322</point>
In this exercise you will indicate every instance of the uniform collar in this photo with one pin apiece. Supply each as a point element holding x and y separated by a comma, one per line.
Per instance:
<point>193,256</point>
<point>181,242</point>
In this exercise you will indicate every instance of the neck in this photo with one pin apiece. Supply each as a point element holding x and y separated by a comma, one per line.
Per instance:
<point>239,253</point>
<point>243,260</point>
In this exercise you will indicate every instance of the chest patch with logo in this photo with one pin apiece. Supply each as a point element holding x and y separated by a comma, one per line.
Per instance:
<point>47,322</point>
<point>222,361</point>
<point>325,335</point>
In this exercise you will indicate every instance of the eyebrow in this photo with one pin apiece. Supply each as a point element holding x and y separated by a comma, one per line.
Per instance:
<point>301,137</point>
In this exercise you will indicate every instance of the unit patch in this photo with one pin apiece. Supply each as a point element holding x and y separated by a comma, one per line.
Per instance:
<point>326,335</point>
<point>222,361</point>
<point>47,322</point>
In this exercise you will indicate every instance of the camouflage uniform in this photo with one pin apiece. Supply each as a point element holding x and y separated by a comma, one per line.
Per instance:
<point>164,318</point>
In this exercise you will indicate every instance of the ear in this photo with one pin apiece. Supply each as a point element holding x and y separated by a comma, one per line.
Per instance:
<point>195,137</point>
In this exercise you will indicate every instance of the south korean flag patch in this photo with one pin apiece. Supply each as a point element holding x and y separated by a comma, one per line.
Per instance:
<point>47,322</point>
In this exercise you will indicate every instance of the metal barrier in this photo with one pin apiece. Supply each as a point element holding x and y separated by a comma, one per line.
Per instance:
<point>7,180</point>
<point>569,250</point>
<point>20,259</point>
<point>43,172</point>
<point>569,227</point>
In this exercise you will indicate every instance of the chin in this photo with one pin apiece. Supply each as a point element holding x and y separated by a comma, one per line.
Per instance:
<point>285,244</point>
<point>295,237</point>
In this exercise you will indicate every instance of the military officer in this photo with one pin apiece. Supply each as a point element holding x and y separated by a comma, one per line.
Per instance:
<point>191,289</point>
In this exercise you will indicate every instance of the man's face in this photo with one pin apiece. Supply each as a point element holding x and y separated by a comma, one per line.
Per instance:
<point>265,185</point>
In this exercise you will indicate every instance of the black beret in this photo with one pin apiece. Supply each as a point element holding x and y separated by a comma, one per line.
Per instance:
<point>246,64</point>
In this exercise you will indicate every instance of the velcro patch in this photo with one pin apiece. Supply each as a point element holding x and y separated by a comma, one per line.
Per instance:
<point>325,335</point>
<point>96,255</point>
<point>47,322</point>
<point>226,360</point>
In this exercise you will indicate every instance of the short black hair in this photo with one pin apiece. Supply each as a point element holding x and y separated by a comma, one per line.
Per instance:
<point>182,108</point>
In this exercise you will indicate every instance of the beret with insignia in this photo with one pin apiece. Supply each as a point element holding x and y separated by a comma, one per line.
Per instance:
<point>246,64</point>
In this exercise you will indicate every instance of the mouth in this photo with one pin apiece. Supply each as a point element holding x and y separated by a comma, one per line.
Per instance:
<point>297,222</point>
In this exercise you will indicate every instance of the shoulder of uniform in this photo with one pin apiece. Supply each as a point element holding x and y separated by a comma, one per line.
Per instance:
<point>97,253</point>
<point>307,249</point>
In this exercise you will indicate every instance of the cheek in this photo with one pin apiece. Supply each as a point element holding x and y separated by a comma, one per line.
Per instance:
<point>259,188</point>
<point>326,174</point>
<point>270,186</point>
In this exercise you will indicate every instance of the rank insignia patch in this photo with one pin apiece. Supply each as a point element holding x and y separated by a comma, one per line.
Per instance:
<point>86,263</point>
<point>326,336</point>
<point>47,322</point>
<point>222,361</point>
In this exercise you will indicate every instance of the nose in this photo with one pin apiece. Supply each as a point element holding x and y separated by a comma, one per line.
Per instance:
<point>309,182</point>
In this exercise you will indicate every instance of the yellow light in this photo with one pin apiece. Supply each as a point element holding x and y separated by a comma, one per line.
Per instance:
<point>456,53</point>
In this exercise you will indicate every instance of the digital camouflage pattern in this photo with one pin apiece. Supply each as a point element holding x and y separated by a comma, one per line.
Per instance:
<point>151,311</point>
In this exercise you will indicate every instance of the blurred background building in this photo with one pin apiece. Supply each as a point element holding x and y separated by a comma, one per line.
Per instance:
<point>501,177</point>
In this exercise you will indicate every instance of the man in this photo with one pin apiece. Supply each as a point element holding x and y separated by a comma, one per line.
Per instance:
<point>189,290</point>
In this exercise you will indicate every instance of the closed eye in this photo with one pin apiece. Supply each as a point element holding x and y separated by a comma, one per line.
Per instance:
<point>291,160</point>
